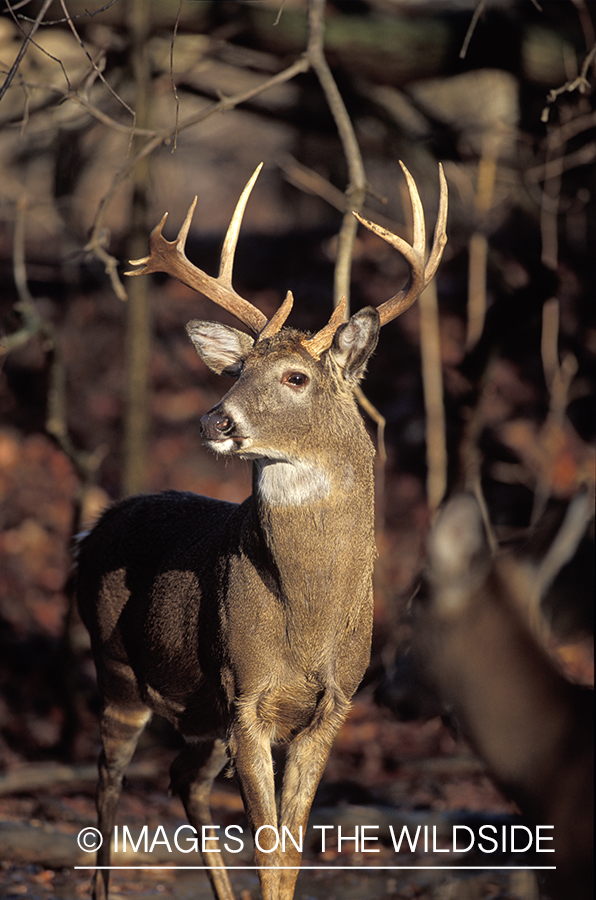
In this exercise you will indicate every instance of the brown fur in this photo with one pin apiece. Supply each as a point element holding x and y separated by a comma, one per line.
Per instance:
<point>532,727</point>
<point>243,625</point>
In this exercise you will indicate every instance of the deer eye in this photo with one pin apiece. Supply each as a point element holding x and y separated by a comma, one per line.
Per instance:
<point>295,379</point>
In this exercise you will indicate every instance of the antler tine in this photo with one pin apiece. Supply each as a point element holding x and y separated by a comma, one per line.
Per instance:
<point>440,235</point>
<point>231,239</point>
<point>323,339</point>
<point>414,254</point>
<point>418,226</point>
<point>278,318</point>
<point>170,257</point>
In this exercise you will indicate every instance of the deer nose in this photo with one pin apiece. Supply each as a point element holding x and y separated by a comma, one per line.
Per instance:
<point>215,425</point>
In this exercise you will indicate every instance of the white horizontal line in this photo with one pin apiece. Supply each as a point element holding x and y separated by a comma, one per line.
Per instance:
<point>329,868</point>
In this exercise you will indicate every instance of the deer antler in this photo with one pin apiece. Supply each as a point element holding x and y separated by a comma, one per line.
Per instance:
<point>169,256</point>
<point>323,339</point>
<point>415,254</point>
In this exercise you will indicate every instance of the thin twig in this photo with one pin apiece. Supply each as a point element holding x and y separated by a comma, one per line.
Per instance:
<point>558,379</point>
<point>104,118</point>
<point>85,464</point>
<point>585,21</point>
<point>571,129</point>
<point>95,67</point>
<point>554,168</point>
<point>549,340</point>
<point>24,46</point>
<point>96,243</point>
<point>279,12</point>
<point>355,191</point>
<point>88,14</point>
<point>174,88</point>
<point>18,259</point>
<point>470,455</point>
<point>356,188</point>
<point>478,248</point>
<point>577,518</point>
<point>139,311</point>
<point>309,181</point>
<point>32,324</point>
<point>432,381</point>
<point>548,216</point>
<point>471,28</point>
<point>379,420</point>
<point>580,84</point>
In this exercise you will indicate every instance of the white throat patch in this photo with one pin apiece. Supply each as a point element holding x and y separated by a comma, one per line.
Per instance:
<point>284,483</point>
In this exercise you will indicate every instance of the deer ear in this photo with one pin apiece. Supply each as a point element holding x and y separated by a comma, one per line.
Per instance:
<point>354,342</point>
<point>222,348</point>
<point>459,553</point>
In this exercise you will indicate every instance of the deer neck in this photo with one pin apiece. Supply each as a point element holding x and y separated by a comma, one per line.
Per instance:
<point>315,521</point>
<point>291,483</point>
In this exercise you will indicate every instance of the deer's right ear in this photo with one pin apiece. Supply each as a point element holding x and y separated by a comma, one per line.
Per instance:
<point>354,342</point>
<point>221,347</point>
<point>459,553</point>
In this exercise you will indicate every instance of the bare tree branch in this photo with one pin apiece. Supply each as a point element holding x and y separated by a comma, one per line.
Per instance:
<point>553,168</point>
<point>85,464</point>
<point>97,240</point>
<point>356,189</point>
<point>559,377</point>
<point>96,69</point>
<point>28,38</point>
<point>311,182</point>
<point>32,324</point>
<point>480,6</point>
<point>549,210</point>
<point>174,88</point>
<point>478,248</point>
<point>88,14</point>
<point>580,84</point>
<point>432,382</point>
<point>139,311</point>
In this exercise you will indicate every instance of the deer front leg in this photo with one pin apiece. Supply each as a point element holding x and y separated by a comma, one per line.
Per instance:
<point>192,774</point>
<point>120,732</point>
<point>251,750</point>
<point>306,760</point>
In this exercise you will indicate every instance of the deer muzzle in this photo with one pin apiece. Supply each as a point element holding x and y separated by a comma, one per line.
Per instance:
<point>216,426</point>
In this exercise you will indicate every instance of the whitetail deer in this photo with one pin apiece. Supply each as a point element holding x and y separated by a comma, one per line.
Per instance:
<point>248,625</point>
<point>531,726</point>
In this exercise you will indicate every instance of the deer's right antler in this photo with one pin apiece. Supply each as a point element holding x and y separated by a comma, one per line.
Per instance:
<point>169,256</point>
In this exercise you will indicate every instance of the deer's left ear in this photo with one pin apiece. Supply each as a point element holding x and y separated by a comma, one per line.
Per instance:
<point>354,342</point>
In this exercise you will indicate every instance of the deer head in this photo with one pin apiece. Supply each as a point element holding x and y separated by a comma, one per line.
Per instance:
<point>170,257</point>
<point>286,379</point>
